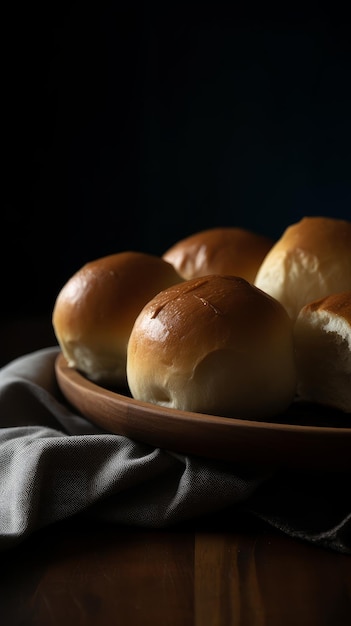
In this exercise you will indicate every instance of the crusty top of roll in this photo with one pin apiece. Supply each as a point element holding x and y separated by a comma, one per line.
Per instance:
<point>323,351</point>
<point>226,250</point>
<point>96,309</point>
<point>215,344</point>
<point>312,259</point>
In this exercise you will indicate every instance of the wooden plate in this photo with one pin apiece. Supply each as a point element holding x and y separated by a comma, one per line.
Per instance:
<point>306,436</point>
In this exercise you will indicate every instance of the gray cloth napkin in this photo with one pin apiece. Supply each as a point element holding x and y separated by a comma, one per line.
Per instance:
<point>55,464</point>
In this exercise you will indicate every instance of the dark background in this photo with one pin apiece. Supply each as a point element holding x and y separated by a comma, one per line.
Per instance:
<point>132,125</point>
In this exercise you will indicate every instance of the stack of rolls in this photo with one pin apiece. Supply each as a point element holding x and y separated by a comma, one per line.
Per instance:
<point>308,271</point>
<point>213,326</point>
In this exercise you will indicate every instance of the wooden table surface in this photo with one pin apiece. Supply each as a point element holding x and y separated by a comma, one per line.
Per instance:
<point>199,574</point>
<point>83,574</point>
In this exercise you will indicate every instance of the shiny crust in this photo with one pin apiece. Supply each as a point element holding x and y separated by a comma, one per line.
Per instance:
<point>337,304</point>
<point>95,310</point>
<point>216,345</point>
<point>234,251</point>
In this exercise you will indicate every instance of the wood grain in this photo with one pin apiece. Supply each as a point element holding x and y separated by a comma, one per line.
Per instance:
<point>269,580</point>
<point>98,575</point>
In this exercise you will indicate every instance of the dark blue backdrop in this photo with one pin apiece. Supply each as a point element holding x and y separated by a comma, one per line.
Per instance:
<point>130,126</point>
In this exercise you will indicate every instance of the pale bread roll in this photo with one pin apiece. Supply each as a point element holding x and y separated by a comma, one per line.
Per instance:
<point>215,345</point>
<point>226,250</point>
<point>323,351</point>
<point>96,309</point>
<point>312,259</point>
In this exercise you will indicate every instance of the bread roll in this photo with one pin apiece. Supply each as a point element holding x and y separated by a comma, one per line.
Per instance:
<point>323,351</point>
<point>96,309</point>
<point>235,251</point>
<point>215,345</point>
<point>312,259</point>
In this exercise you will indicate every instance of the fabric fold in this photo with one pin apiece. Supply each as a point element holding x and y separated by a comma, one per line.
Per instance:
<point>55,464</point>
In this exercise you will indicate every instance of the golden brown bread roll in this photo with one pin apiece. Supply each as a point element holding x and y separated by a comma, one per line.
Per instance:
<point>226,250</point>
<point>323,351</point>
<point>312,259</point>
<point>215,345</point>
<point>96,309</point>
